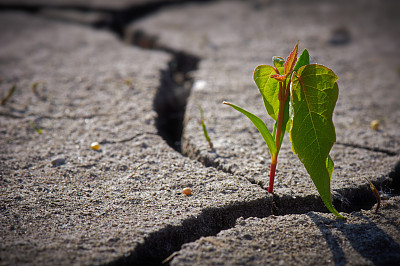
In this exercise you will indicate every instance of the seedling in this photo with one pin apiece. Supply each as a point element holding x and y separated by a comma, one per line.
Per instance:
<point>8,95</point>
<point>205,128</point>
<point>376,194</point>
<point>35,87</point>
<point>35,127</point>
<point>135,170</point>
<point>300,97</point>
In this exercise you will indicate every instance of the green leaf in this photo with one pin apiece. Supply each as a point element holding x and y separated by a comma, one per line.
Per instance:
<point>269,89</point>
<point>203,125</point>
<point>278,61</point>
<point>313,98</point>
<point>329,165</point>
<point>262,128</point>
<point>304,59</point>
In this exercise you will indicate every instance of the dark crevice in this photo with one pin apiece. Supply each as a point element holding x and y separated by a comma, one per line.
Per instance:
<point>28,8</point>
<point>117,19</point>
<point>10,115</point>
<point>121,18</point>
<point>354,199</point>
<point>171,97</point>
<point>175,86</point>
<point>176,81</point>
<point>374,149</point>
<point>389,185</point>
<point>161,244</point>
<point>392,184</point>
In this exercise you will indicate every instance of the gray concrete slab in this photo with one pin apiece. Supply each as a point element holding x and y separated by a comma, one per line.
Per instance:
<point>64,203</point>
<point>233,38</point>
<point>92,4</point>
<point>61,201</point>
<point>304,239</point>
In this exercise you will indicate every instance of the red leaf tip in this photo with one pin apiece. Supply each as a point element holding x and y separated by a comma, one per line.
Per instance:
<point>291,60</point>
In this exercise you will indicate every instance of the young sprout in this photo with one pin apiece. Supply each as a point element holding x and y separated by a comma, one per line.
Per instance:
<point>37,129</point>
<point>35,91</point>
<point>8,95</point>
<point>135,169</point>
<point>376,193</point>
<point>300,97</point>
<point>205,128</point>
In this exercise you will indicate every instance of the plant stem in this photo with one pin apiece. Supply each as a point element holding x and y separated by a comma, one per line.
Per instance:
<point>272,176</point>
<point>282,101</point>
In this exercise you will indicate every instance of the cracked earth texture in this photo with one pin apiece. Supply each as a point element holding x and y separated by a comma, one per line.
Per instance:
<point>131,75</point>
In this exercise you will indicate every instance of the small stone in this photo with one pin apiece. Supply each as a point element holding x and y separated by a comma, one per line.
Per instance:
<point>58,162</point>
<point>340,36</point>
<point>375,124</point>
<point>187,191</point>
<point>95,146</point>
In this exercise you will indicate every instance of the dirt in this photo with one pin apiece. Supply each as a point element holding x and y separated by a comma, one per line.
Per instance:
<point>131,76</point>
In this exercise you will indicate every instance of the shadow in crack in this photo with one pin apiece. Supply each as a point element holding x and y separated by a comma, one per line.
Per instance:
<point>171,97</point>
<point>366,238</point>
<point>392,185</point>
<point>160,244</point>
<point>175,86</point>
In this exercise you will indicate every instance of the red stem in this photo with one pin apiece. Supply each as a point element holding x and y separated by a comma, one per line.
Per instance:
<point>272,176</point>
<point>283,95</point>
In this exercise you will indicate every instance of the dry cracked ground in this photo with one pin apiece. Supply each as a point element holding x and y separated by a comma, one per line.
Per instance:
<point>131,76</point>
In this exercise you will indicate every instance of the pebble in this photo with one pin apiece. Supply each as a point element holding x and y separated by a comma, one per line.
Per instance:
<point>375,124</point>
<point>58,162</point>
<point>340,36</point>
<point>187,191</point>
<point>95,146</point>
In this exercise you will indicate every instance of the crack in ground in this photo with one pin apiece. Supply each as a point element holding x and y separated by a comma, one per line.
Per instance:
<point>171,98</point>
<point>176,81</point>
<point>116,21</point>
<point>105,141</point>
<point>192,152</point>
<point>54,117</point>
<point>159,246</point>
<point>373,149</point>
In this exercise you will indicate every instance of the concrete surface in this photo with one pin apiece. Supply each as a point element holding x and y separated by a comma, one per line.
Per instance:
<point>231,43</point>
<point>64,203</point>
<point>302,239</point>
<point>91,4</point>
<point>96,207</point>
